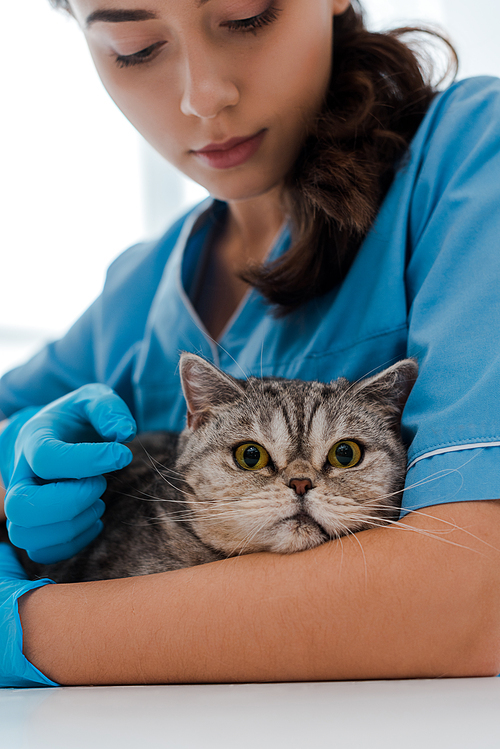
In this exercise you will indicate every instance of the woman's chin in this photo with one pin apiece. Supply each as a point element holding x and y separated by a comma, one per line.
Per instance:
<point>233,191</point>
<point>239,183</point>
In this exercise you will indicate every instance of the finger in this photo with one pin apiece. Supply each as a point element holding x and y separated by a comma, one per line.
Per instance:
<point>66,551</point>
<point>46,536</point>
<point>29,504</point>
<point>106,411</point>
<point>51,459</point>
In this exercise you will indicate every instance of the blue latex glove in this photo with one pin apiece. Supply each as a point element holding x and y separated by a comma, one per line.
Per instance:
<point>54,480</point>
<point>15,669</point>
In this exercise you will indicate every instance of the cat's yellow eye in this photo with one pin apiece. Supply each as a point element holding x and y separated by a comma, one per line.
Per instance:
<point>344,454</point>
<point>251,456</point>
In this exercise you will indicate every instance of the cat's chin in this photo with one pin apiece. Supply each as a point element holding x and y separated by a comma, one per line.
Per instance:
<point>297,533</point>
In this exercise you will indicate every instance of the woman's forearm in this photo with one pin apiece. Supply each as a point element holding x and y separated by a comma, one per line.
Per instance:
<point>388,603</point>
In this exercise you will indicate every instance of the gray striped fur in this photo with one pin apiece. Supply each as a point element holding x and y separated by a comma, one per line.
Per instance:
<point>185,501</point>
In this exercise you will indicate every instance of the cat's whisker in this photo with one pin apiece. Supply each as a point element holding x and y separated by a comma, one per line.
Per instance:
<point>354,535</point>
<point>156,465</point>
<point>177,489</point>
<point>369,521</point>
<point>146,497</point>
<point>241,497</point>
<point>214,516</point>
<point>341,542</point>
<point>245,376</point>
<point>387,520</point>
<point>422,482</point>
<point>250,537</point>
<point>163,477</point>
<point>176,475</point>
<point>376,522</point>
<point>226,504</point>
<point>216,512</point>
<point>188,515</point>
<point>161,467</point>
<point>151,498</point>
<point>452,527</point>
<point>152,461</point>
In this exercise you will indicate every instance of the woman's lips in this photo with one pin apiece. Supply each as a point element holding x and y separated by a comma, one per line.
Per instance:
<point>233,152</point>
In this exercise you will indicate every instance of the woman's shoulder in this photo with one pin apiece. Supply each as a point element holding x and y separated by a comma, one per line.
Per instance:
<point>470,102</point>
<point>458,141</point>
<point>466,111</point>
<point>478,90</point>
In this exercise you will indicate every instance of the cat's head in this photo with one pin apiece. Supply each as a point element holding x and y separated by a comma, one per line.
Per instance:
<point>284,465</point>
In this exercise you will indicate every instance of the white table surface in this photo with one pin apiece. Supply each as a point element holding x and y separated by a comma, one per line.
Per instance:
<point>458,713</point>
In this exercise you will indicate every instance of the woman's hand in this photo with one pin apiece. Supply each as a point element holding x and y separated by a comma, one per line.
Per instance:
<point>53,470</point>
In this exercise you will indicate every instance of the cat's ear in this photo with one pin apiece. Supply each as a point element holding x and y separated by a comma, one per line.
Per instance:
<point>205,387</point>
<point>389,390</point>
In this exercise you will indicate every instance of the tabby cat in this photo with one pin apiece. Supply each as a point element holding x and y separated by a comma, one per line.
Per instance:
<point>263,465</point>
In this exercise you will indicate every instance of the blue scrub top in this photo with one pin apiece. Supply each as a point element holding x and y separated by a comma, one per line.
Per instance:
<point>425,283</point>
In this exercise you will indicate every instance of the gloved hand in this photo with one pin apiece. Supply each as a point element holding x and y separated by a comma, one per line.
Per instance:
<point>15,669</point>
<point>54,480</point>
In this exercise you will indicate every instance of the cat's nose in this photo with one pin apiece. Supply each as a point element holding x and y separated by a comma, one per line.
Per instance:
<point>300,486</point>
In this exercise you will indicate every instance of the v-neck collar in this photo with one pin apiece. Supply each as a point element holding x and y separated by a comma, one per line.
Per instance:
<point>173,326</point>
<point>192,257</point>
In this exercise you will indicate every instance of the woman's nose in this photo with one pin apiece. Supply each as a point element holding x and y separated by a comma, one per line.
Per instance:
<point>207,90</point>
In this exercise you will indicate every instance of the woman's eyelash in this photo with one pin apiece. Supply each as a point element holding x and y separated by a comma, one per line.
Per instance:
<point>255,22</point>
<point>244,25</point>
<point>125,61</point>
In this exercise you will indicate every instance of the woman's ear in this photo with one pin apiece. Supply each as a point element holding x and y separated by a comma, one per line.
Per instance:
<point>340,6</point>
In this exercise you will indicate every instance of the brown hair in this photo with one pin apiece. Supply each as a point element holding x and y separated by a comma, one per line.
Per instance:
<point>379,91</point>
<point>378,94</point>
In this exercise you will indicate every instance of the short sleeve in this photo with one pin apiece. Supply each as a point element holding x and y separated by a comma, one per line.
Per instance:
<point>452,418</point>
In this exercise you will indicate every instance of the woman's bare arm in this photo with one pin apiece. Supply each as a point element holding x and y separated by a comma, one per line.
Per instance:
<point>387,603</point>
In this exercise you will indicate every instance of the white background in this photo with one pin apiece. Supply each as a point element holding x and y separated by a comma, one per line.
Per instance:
<point>78,184</point>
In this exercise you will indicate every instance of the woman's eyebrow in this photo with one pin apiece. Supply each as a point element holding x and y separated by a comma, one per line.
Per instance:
<point>124,16</point>
<point>119,16</point>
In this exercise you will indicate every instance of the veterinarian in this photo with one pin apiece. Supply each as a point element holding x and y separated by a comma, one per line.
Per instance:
<point>354,221</point>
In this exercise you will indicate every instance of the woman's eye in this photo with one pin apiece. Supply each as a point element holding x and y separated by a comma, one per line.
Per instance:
<point>125,61</point>
<point>345,454</point>
<point>243,25</point>
<point>255,22</point>
<point>251,456</point>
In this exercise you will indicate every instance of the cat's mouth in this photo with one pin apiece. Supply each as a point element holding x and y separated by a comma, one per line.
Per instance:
<point>304,519</point>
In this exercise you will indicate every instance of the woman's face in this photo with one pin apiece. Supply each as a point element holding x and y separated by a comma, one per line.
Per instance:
<point>192,74</point>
